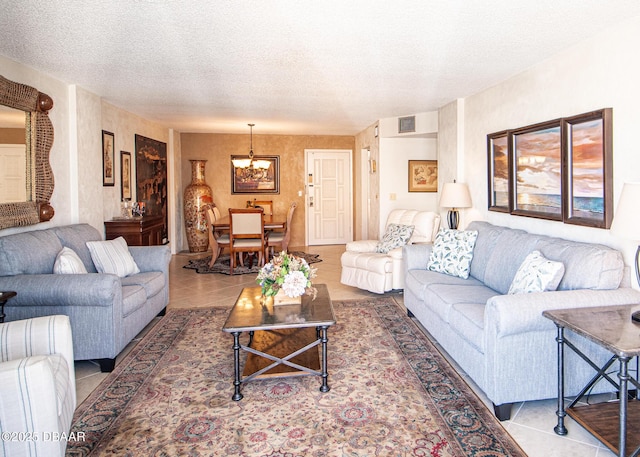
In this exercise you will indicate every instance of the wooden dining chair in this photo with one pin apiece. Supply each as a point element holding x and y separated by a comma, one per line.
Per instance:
<point>266,205</point>
<point>217,241</point>
<point>281,239</point>
<point>246,234</point>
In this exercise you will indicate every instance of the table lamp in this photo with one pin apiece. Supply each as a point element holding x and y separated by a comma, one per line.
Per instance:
<point>626,222</point>
<point>454,195</point>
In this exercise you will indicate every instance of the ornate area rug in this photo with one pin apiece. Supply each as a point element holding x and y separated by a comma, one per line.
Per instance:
<point>223,264</point>
<point>392,394</point>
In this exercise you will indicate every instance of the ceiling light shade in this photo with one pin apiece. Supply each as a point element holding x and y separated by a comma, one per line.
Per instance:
<point>455,195</point>
<point>626,219</point>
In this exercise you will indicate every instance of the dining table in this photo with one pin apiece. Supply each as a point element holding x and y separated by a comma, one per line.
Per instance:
<point>222,225</point>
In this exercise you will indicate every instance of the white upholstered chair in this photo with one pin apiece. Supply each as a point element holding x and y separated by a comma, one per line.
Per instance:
<point>364,268</point>
<point>37,385</point>
<point>217,241</point>
<point>279,239</point>
<point>246,234</point>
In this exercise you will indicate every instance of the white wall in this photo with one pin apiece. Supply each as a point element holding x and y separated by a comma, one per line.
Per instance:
<point>599,73</point>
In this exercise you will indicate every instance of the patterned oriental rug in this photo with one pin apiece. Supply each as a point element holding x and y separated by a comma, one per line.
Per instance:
<point>392,394</point>
<point>223,264</point>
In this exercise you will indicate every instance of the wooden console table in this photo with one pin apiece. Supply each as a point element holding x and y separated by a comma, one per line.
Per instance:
<point>137,231</point>
<point>613,423</point>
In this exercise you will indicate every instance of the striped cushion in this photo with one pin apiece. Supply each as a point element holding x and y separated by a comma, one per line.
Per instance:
<point>68,263</point>
<point>113,257</point>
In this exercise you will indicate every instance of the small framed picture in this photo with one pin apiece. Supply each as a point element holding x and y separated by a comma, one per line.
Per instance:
<point>108,152</point>
<point>423,175</point>
<point>125,174</point>
<point>406,124</point>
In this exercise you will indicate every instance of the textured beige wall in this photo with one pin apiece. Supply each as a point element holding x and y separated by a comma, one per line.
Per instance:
<point>217,149</point>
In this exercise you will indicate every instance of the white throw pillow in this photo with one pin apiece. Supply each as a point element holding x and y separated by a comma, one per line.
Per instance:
<point>395,235</point>
<point>68,263</point>
<point>537,274</point>
<point>452,252</point>
<point>113,257</point>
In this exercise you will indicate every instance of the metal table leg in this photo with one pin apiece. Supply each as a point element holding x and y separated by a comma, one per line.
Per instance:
<point>560,429</point>
<point>237,396</point>
<point>325,386</point>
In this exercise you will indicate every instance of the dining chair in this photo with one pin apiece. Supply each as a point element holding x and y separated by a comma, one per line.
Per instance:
<point>266,205</point>
<point>246,234</point>
<point>281,239</point>
<point>217,241</point>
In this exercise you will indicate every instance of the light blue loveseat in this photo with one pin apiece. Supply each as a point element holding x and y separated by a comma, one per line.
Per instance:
<point>502,341</point>
<point>106,312</point>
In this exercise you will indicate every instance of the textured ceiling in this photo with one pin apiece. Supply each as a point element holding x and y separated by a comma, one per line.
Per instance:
<point>292,66</point>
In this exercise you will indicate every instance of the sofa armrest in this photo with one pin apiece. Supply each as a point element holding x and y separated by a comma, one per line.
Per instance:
<point>416,256</point>
<point>151,258</point>
<point>512,314</point>
<point>362,246</point>
<point>91,289</point>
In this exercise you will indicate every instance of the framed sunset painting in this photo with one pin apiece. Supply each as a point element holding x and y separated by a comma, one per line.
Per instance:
<point>498,166</point>
<point>589,169</point>
<point>537,171</point>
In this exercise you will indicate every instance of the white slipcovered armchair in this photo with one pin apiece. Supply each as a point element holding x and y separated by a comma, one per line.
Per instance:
<point>365,268</point>
<point>37,386</point>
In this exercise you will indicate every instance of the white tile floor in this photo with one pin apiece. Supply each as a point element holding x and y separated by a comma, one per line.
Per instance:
<point>531,423</point>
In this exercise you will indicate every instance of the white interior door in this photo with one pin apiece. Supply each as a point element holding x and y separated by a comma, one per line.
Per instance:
<point>329,201</point>
<point>13,173</point>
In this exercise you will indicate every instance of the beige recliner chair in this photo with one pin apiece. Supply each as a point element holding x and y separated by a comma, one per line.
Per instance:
<point>366,268</point>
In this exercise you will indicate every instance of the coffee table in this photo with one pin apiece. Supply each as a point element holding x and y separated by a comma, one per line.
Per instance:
<point>283,339</point>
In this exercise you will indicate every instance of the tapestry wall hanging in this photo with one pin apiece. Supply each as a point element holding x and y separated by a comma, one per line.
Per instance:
<point>151,178</point>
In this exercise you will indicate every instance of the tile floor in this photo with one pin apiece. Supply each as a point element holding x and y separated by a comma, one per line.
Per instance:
<point>531,423</point>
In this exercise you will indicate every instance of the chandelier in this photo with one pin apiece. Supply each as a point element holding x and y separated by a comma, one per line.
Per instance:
<point>250,168</point>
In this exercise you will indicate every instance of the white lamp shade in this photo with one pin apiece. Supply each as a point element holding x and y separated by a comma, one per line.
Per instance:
<point>455,195</point>
<point>626,219</point>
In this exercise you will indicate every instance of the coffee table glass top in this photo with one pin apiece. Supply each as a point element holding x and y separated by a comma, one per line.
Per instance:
<point>250,314</point>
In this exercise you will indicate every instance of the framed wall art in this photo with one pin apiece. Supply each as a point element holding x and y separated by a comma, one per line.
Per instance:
<point>559,170</point>
<point>499,169</point>
<point>125,175</point>
<point>108,153</point>
<point>260,176</point>
<point>589,169</point>
<point>423,176</point>
<point>537,167</point>
<point>406,124</point>
<point>151,178</point>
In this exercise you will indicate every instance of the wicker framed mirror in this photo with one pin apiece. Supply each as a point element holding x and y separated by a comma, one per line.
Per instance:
<point>39,139</point>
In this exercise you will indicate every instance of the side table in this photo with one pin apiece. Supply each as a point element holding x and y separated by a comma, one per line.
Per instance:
<point>4,298</point>
<point>137,231</point>
<point>611,328</point>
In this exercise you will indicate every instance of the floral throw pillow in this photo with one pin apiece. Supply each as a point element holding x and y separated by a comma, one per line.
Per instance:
<point>452,252</point>
<point>395,235</point>
<point>537,274</point>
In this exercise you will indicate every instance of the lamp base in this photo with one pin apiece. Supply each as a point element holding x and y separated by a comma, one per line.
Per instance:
<point>453,219</point>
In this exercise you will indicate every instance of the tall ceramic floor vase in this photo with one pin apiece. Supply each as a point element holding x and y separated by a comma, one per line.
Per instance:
<point>196,195</point>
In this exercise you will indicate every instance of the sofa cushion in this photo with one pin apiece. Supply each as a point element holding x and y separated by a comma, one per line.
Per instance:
<point>68,263</point>
<point>133,298</point>
<point>467,320</point>
<point>395,235</point>
<point>152,282</point>
<point>442,297</point>
<point>113,257</point>
<point>76,237</point>
<point>452,252</point>
<point>28,253</point>
<point>537,274</point>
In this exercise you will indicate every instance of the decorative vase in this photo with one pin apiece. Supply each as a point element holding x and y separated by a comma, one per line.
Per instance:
<point>281,298</point>
<point>196,195</point>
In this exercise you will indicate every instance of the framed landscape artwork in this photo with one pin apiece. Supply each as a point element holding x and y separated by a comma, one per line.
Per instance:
<point>558,170</point>
<point>423,176</point>
<point>254,180</point>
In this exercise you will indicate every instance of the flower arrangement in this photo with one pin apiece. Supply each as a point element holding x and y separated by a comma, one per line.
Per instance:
<point>288,273</point>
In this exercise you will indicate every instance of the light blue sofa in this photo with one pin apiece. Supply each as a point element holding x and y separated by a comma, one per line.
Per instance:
<point>502,341</point>
<point>106,312</point>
